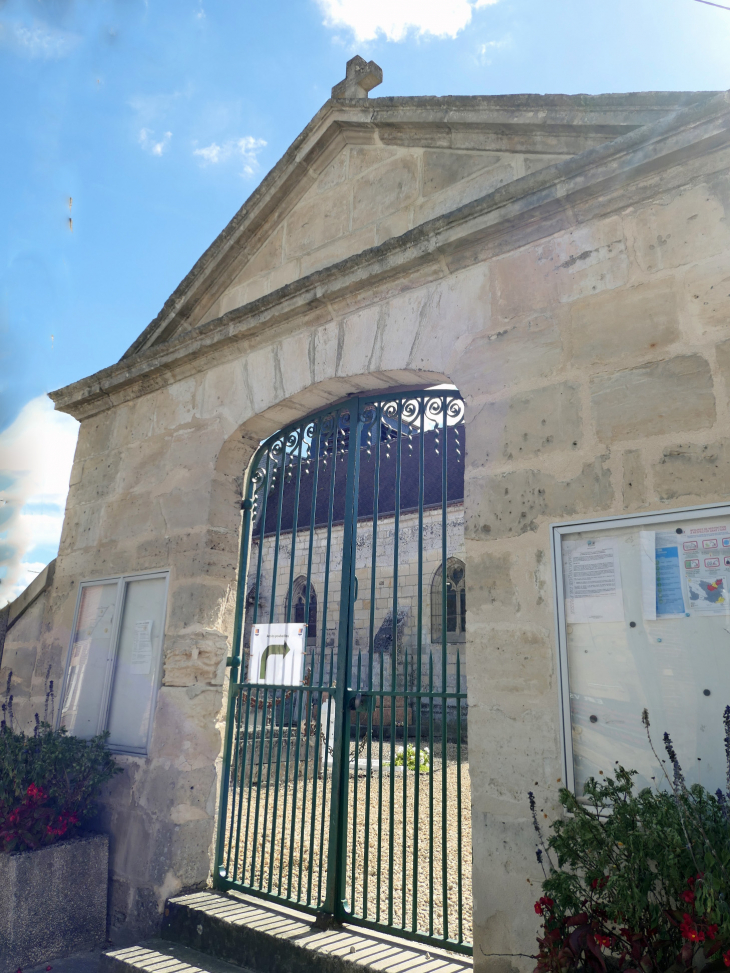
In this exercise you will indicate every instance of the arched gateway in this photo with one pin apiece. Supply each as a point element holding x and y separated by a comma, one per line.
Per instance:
<point>346,782</point>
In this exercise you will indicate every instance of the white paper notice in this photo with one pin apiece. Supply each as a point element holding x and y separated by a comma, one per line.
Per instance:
<point>141,660</point>
<point>647,546</point>
<point>592,578</point>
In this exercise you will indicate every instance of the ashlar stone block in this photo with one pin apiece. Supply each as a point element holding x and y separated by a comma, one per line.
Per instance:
<point>496,359</point>
<point>509,504</point>
<point>681,229</point>
<point>692,469</point>
<point>317,220</point>
<point>707,290</point>
<point>628,321</point>
<point>391,187</point>
<point>544,420</point>
<point>656,398</point>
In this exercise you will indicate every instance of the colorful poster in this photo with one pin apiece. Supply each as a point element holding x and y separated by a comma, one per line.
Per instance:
<point>669,594</point>
<point>708,595</point>
<point>592,578</point>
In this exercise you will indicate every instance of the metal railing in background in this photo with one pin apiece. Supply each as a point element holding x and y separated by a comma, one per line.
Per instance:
<point>349,794</point>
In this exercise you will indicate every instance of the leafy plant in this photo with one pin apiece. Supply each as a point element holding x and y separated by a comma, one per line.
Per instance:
<point>409,758</point>
<point>48,784</point>
<point>636,882</point>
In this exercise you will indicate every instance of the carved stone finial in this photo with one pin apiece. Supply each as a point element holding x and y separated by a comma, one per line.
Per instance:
<point>360,77</point>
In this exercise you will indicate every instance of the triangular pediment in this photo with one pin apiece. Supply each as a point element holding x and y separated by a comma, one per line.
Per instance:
<point>366,171</point>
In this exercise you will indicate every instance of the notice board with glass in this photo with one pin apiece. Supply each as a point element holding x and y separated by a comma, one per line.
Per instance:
<point>114,660</point>
<point>643,621</point>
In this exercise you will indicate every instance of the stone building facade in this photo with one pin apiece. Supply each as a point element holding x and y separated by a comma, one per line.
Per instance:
<point>565,262</point>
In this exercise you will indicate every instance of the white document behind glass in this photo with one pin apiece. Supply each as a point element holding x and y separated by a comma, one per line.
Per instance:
<point>647,547</point>
<point>592,577</point>
<point>141,658</point>
<point>277,654</point>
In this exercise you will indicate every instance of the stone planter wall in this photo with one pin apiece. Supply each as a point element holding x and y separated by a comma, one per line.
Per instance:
<point>52,901</point>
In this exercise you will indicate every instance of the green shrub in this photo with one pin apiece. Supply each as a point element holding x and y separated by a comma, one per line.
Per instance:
<point>48,784</point>
<point>410,758</point>
<point>636,882</point>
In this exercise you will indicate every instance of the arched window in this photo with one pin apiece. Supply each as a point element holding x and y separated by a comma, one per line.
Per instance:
<point>299,612</point>
<point>455,601</point>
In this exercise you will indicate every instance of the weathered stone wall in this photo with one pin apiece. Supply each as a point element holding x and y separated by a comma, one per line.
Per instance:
<point>592,347</point>
<point>368,194</point>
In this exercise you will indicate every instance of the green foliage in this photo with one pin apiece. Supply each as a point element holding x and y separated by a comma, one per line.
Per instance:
<point>410,758</point>
<point>636,882</point>
<point>48,784</point>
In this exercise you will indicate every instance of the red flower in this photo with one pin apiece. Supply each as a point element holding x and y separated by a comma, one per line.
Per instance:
<point>712,930</point>
<point>538,911</point>
<point>690,931</point>
<point>688,897</point>
<point>35,793</point>
<point>726,958</point>
<point>602,940</point>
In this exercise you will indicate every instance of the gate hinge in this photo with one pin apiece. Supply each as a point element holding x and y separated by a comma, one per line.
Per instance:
<point>246,504</point>
<point>231,660</point>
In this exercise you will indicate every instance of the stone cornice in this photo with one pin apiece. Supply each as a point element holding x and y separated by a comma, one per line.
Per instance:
<point>526,209</point>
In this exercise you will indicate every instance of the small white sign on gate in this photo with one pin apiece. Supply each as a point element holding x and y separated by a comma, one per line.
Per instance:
<point>277,654</point>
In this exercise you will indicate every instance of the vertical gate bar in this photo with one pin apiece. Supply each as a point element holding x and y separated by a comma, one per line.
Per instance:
<point>371,657</point>
<point>294,798</point>
<point>327,742</point>
<point>277,536</point>
<point>393,658</point>
<point>444,669</point>
<point>430,792</point>
<point>315,781</point>
<point>242,788</point>
<point>294,528</point>
<point>404,884</point>
<point>307,721</point>
<point>250,785</point>
<point>272,721</point>
<point>262,743</point>
<point>313,461</point>
<point>340,776</point>
<point>458,795</point>
<point>354,785</point>
<point>234,672</point>
<point>286,785</point>
<point>274,819</point>
<point>419,651</point>
<point>328,549</point>
<point>234,775</point>
<point>264,490</point>
<point>380,787</point>
<point>368,776</point>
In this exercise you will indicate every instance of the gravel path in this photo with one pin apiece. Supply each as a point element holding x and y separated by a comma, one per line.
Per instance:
<point>295,825</point>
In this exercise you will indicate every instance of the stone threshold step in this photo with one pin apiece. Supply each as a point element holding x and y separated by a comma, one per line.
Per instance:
<point>271,938</point>
<point>162,956</point>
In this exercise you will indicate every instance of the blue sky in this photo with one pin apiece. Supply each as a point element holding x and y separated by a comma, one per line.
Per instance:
<point>147,123</point>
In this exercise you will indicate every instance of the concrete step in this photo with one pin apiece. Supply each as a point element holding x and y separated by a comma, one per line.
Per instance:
<point>162,956</point>
<point>272,938</point>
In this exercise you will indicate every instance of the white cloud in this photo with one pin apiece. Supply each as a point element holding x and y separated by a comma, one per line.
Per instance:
<point>246,149</point>
<point>484,51</point>
<point>396,18</point>
<point>148,143</point>
<point>36,455</point>
<point>39,41</point>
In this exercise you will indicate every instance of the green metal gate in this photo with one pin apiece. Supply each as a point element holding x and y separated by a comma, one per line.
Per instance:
<point>345,788</point>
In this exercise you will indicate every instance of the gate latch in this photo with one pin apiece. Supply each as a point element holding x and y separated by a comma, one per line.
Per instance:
<point>356,701</point>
